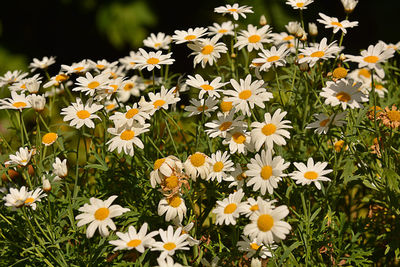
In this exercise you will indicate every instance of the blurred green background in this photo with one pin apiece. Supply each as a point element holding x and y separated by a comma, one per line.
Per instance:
<point>73,30</point>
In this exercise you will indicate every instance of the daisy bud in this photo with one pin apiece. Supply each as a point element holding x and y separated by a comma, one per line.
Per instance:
<point>312,29</point>
<point>349,5</point>
<point>46,184</point>
<point>342,57</point>
<point>233,55</point>
<point>33,86</point>
<point>263,20</point>
<point>304,67</point>
<point>255,262</point>
<point>300,32</point>
<point>292,27</point>
<point>37,102</point>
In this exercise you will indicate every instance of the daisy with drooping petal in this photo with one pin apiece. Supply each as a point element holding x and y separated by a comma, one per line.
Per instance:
<point>253,38</point>
<point>160,100</point>
<point>56,80</point>
<point>265,172</point>
<point>202,106</point>
<point>49,138</point>
<point>372,57</point>
<point>274,57</point>
<point>227,210</point>
<point>99,214</point>
<point>130,87</point>
<point>42,64</point>
<point>235,10</point>
<point>320,51</point>
<point>271,130</point>
<point>206,87</point>
<point>190,35</point>
<point>220,165</point>
<point>125,138</point>
<point>16,101</point>
<point>237,177</point>
<point>390,117</point>
<point>37,102</point>
<point>343,92</point>
<point>207,51</point>
<point>226,28</point>
<point>252,246</point>
<point>34,196</point>
<point>332,22</point>
<point>134,114</point>
<point>310,173</point>
<point>299,4</point>
<point>247,94</point>
<point>223,124</point>
<point>152,60</point>
<point>324,122</point>
<point>173,207</point>
<point>60,168</point>
<point>21,157</point>
<point>134,240</point>
<point>16,198</point>
<point>80,114</point>
<point>171,242</point>
<point>165,167</point>
<point>239,140</point>
<point>266,224</point>
<point>197,164</point>
<point>159,41</point>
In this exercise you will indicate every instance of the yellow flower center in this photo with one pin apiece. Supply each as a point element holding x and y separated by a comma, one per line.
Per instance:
<point>61,78</point>
<point>83,114</point>
<point>134,243</point>
<point>158,103</point>
<point>202,108</point>
<point>268,129</point>
<point>378,86</point>
<point>29,200</point>
<point>254,207</point>
<point>273,58</point>
<point>339,73</point>
<point>225,126</point>
<point>114,88</point>
<point>317,54</point>
<point>101,214</point>
<point>19,104</point>
<point>338,145</point>
<point>266,172</point>
<point>153,61</point>
<point>394,115</point>
<point>78,69</point>
<point>100,67</point>
<point>335,23</point>
<point>229,209</point>
<point>172,182</point>
<point>49,138</point>
<point>218,166</point>
<point>265,222</point>
<point>311,175</point>
<point>169,246</point>
<point>222,31</point>
<point>226,106</point>
<point>157,45</point>
<point>127,135</point>
<point>131,113</point>
<point>254,38</point>
<point>197,159</point>
<point>324,123</point>
<point>245,94</point>
<point>190,37</point>
<point>207,87</point>
<point>232,9</point>
<point>158,163</point>
<point>254,246</point>
<point>300,5</point>
<point>371,59</point>
<point>343,96</point>
<point>288,38</point>
<point>239,138</point>
<point>174,201</point>
<point>110,106</point>
<point>207,49</point>
<point>364,72</point>
<point>128,86</point>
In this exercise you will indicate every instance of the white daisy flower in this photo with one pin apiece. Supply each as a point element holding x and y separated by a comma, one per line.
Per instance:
<point>167,262</point>
<point>372,57</point>
<point>34,196</point>
<point>21,157</point>
<point>343,92</point>
<point>130,87</point>
<point>16,101</point>
<point>332,22</point>
<point>310,173</point>
<point>227,210</point>
<point>90,84</point>
<point>266,224</point>
<point>31,84</point>
<point>237,177</point>
<point>265,172</point>
<point>99,214</point>
<point>270,131</point>
<point>185,230</point>
<point>273,57</point>
<point>171,242</point>
<point>206,87</point>
<point>251,205</point>
<point>159,41</point>
<point>239,141</point>
<point>78,68</point>
<point>323,122</point>
<point>253,38</point>
<point>283,37</point>
<point>80,114</point>
<point>165,167</point>
<point>173,207</point>
<point>247,94</point>
<point>101,65</point>
<point>49,138</point>
<point>299,4</point>
<point>223,124</point>
<point>42,64</point>
<point>197,164</point>
<point>226,28</point>
<point>160,100</point>
<point>319,51</point>
<point>152,60</point>
<point>220,165</point>
<point>207,51</point>
<point>134,114</point>
<point>252,246</point>
<point>190,35</point>
<point>202,106</point>
<point>134,240</point>
<point>235,10</point>
<point>60,167</point>
<point>129,62</point>
<point>225,106</point>
<point>56,80</point>
<point>11,77</point>
<point>16,198</point>
<point>125,138</point>
<point>388,46</point>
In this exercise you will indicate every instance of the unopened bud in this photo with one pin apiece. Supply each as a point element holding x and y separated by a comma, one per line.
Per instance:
<point>263,20</point>
<point>349,5</point>
<point>342,57</point>
<point>37,102</point>
<point>304,67</point>
<point>46,185</point>
<point>312,29</point>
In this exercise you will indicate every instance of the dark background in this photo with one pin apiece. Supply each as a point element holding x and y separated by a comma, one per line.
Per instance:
<point>73,30</point>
